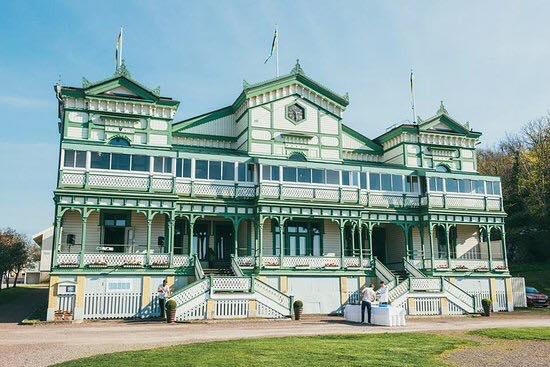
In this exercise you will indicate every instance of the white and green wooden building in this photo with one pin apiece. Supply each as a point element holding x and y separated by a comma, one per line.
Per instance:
<point>271,198</point>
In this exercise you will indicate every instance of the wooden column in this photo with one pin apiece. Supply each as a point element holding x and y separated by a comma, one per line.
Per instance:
<point>370,230</point>
<point>190,235</point>
<point>149,224</point>
<point>504,252</point>
<point>489,250</point>
<point>360,244</point>
<point>170,243</point>
<point>83,239</point>
<point>432,256</point>
<point>281,241</point>
<point>259,241</point>
<point>57,241</point>
<point>407,242</point>
<point>422,249</point>
<point>236,236</point>
<point>447,233</point>
<point>342,227</point>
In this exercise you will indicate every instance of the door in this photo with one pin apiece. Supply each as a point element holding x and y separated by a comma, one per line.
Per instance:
<point>200,240</point>
<point>379,243</point>
<point>223,237</point>
<point>114,230</point>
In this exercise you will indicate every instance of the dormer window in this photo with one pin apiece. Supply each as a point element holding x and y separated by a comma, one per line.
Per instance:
<point>119,142</point>
<point>442,168</point>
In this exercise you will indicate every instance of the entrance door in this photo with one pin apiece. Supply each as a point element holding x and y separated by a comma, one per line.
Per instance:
<point>223,237</point>
<point>379,243</point>
<point>114,230</point>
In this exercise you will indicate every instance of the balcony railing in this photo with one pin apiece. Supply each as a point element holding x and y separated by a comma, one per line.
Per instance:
<point>108,260</point>
<point>458,265</point>
<point>307,262</point>
<point>275,191</point>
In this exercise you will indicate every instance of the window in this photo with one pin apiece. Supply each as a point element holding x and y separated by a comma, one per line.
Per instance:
<point>465,186</point>
<point>386,181</point>
<point>115,220</point>
<point>451,185</point>
<point>289,174</point>
<point>270,172</point>
<point>183,167</point>
<point>355,178</point>
<point>215,170</point>
<point>493,188</point>
<point>228,171</point>
<point>442,168</point>
<point>318,176</point>
<point>304,175</point>
<point>345,178</point>
<point>397,182</point>
<point>297,156</point>
<point>120,161</point>
<point>140,163</point>
<point>436,184</point>
<point>333,177</point>
<point>478,186</point>
<point>374,179</point>
<point>100,160</point>
<point>412,184</point>
<point>74,158</point>
<point>363,180</point>
<point>119,286</point>
<point>201,169</point>
<point>162,164</point>
<point>246,172</point>
<point>119,142</point>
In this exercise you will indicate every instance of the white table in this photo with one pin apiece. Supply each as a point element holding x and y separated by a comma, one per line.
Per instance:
<point>385,316</point>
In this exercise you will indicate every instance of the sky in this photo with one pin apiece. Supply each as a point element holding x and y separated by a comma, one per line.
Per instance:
<point>488,62</point>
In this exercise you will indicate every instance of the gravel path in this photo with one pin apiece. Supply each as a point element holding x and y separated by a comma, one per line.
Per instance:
<point>42,345</point>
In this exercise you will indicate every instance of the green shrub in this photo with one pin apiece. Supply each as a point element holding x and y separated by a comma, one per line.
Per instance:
<point>171,305</point>
<point>486,302</point>
<point>298,304</point>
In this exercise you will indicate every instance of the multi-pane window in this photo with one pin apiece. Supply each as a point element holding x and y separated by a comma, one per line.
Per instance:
<point>397,182</point>
<point>120,161</point>
<point>289,174</point>
<point>214,170</point>
<point>363,180</point>
<point>333,177</point>
<point>318,176</point>
<point>350,178</point>
<point>162,164</point>
<point>304,175</point>
<point>478,186</point>
<point>465,186</point>
<point>245,172</point>
<point>451,185</point>
<point>201,169</point>
<point>412,184</point>
<point>140,163</point>
<point>270,173</point>
<point>374,179</point>
<point>308,175</point>
<point>493,187</point>
<point>228,171</point>
<point>183,167</point>
<point>100,160</point>
<point>436,184</point>
<point>74,158</point>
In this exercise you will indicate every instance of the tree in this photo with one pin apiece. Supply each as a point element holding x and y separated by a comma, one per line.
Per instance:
<point>523,163</point>
<point>15,254</point>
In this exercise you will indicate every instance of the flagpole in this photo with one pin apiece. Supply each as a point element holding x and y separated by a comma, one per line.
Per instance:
<point>277,52</point>
<point>120,55</point>
<point>412,98</point>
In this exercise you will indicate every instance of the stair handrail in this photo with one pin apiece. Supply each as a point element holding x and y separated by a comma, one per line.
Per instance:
<point>399,290</point>
<point>384,273</point>
<point>271,293</point>
<point>459,294</point>
<point>191,291</point>
<point>235,267</point>
<point>199,273</point>
<point>412,270</point>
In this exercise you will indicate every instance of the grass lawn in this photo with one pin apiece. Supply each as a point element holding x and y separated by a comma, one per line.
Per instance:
<point>528,333</point>
<point>404,349</point>
<point>536,275</point>
<point>11,294</point>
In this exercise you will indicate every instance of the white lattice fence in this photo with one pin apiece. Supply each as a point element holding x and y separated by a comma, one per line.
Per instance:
<point>68,259</point>
<point>269,191</point>
<point>270,261</point>
<point>518,290</point>
<point>314,262</point>
<point>112,305</point>
<point>76,179</point>
<point>425,284</point>
<point>123,182</point>
<point>465,202</point>
<point>164,184</point>
<point>349,196</point>
<point>181,260</point>
<point>245,261</point>
<point>183,188</point>
<point>245,191</point>
<point>114,259</point>
<point>231,284</point>
<point>327,194</point>
<point>297,192</point>
<point>493,204</point>
<point>214,190</point>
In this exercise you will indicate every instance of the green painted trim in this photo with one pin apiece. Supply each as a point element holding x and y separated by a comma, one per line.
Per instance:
<point>202,119</point>
<point>204,136</point>
<point>376,149</point>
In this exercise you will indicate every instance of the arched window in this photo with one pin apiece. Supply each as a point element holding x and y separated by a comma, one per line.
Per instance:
<point>120,142</point>
<point>442,168</point>
<point>297,156</point>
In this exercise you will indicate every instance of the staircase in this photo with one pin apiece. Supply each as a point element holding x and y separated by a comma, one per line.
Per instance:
<point>426,292</point>
<point>225,293</point>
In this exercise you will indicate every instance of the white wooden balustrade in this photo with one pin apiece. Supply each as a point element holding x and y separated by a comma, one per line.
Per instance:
<point>425,284</point>
<point>115,259</point>
<point>231,284</point>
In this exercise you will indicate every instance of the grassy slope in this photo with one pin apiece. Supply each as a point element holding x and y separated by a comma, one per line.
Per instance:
<point>11,294</point>
<point>534,333</point>
<point>536,275</point>
<point>406,349</point>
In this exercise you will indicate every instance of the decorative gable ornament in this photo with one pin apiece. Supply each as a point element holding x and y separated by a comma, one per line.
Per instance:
<point>295,113</point>
<point>122,70</point>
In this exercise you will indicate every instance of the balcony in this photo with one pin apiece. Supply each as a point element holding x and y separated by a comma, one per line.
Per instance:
<point>283,191</point>
<point>101,260</point>
<point>306,262</point>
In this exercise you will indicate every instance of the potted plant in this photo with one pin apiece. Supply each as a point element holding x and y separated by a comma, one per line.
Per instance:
<point>160,264</point>
<point>170,311</point>
<point>298,307</point>
<point>486,304</point>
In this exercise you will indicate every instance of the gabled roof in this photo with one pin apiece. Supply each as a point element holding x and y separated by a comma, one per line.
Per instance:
<point>298,75</point>
<point>376,149</point>
<point>202,119</point>
<point>440,123</point>
<point>118,86</point>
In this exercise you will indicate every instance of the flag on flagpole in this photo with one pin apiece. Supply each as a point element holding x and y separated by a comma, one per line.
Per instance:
<point>118,52</point>
<point>273,45</point>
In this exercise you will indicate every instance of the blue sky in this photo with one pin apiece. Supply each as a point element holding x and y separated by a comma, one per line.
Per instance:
<point>487,60</point>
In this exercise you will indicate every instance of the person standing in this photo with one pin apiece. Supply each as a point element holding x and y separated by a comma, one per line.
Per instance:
<point>368,297</point>
<point>163,292</point>
<point>383,294</point>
